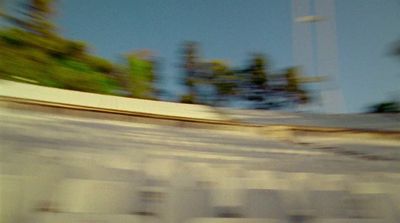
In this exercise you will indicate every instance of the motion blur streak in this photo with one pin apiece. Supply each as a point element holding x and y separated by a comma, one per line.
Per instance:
<point>198,113</point>
<point>64,168</point>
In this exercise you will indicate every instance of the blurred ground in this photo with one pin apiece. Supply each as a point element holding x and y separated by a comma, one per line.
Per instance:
<point>60,168</point>
<point>390,122</point>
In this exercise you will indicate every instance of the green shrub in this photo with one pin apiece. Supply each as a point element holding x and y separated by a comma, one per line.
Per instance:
<point>99,64</point>
<point>73,79</point>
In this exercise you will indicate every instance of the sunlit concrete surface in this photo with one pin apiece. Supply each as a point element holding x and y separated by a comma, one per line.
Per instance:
<point>60,168</point>
<point>53,95</point>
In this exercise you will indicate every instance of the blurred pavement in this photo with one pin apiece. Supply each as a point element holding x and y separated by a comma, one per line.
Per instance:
<point>59,168</point>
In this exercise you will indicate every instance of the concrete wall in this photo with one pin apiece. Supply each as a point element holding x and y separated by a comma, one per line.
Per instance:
<point>17,90</point>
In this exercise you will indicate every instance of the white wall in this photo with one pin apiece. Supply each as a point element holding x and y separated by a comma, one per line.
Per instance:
<point>76,98</point>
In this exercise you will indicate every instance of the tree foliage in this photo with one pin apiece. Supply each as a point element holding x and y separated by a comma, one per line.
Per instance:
<point>191,67</point>
<point>385,107</point>
<point>33,50</point>
<point>294,86</point>
<point>215,82</point>
<point>35,17</point>
<point>396,49</point>
<point>141,75</point>
<point>223,79</point>
<point>258,72</point>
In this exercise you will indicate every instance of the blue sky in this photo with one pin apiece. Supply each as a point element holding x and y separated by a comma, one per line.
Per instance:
<point>233,29</point>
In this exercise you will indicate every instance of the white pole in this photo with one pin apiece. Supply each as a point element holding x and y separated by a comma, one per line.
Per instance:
<point>322,56</point>
<point>327,56</point>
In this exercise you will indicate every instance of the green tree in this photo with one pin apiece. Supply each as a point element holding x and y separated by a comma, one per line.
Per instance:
<point>385,107</point>
<point>395,49</point>
<point>293,85</point>
<point>39,13</point>
<point>33,51</point>
<point>258,71</point>
<point>141,75</point>
<point>254,79</point>
<point>190,67</point>
<point>292,80</point>
<point>223,80</point>
<point>35,17</point>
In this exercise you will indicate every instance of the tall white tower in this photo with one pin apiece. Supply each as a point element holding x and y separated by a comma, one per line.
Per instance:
<point>315,50</point>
